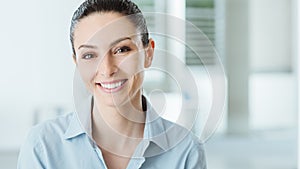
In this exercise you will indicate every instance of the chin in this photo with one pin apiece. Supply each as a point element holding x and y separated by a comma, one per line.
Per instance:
<point>110,100</point>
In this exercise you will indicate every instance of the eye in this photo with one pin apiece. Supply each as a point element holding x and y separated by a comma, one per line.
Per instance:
<point>88,56</point>
<point>123,49</point>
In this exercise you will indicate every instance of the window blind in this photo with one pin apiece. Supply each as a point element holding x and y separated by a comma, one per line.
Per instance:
<point>200,14</point>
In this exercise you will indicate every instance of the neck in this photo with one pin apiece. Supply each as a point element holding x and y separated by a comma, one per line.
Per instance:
<point>123,125</point>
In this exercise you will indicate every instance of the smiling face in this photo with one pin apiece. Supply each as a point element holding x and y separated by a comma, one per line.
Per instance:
<point>111,58</point>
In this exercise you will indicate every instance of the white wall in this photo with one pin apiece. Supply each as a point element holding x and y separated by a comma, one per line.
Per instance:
<point>273,101</point>
<point>36,65</point>
<point>272,93</point>
<point>296,21</point>
<point>270,35</point>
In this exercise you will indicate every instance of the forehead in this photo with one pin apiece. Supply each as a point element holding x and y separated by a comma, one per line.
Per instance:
<point>103,28</point>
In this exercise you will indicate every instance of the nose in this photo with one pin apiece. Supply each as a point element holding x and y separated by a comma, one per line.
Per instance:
<point>107,67</point>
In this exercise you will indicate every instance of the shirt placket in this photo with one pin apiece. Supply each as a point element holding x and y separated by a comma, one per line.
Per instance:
<point>100,156</point>
<point>138,158</point>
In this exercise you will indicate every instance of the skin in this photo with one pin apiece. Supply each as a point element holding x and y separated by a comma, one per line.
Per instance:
<point>109,50</point>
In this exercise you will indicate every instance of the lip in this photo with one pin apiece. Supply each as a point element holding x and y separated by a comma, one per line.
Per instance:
<point>100,85</point>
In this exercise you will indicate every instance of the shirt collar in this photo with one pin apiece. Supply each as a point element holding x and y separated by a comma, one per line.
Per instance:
<point>154,131</point>
<point>81,121</point>
<point>74,129</point>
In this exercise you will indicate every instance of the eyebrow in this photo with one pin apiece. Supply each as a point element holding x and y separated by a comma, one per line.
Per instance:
<point>119,40</point>
<point>87,46</point>
<point>111,45</point>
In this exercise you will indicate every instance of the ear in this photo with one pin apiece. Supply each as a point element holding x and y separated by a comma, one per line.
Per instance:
<point>149,53</point>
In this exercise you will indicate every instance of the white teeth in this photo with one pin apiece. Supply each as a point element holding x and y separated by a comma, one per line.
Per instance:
<point>112,85</point>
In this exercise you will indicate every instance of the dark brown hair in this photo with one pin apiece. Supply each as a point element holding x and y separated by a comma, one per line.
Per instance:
<point>125,7</point>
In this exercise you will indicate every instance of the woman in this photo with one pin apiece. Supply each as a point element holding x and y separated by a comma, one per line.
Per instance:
<point>118,128</point>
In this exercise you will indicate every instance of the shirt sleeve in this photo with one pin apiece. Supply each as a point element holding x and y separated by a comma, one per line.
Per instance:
<point>31,152</point>
<point>196,158</point>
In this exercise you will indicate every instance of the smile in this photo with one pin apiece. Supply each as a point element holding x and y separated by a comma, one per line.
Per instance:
<point>111,86</point>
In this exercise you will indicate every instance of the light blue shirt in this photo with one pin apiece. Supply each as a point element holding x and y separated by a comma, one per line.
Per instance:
<point>66,143</point>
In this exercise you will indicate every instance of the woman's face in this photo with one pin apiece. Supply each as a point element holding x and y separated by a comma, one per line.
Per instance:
<point>111,58</point>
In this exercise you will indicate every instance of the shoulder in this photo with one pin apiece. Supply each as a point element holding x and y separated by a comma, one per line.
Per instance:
<point>56,126</point>
<point>33,151</point>
<point>48,131</point>
<point>190,147</point>
<point>183,136</point>
<point>183,148</point>
<point>196,157</point>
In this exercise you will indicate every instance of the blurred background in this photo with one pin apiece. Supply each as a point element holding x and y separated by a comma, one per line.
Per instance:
<point>255,40</point>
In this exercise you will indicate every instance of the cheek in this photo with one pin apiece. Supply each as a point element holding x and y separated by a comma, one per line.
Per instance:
<point>136,83</point>
<point>132,65</point>
<point>87,74</point>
